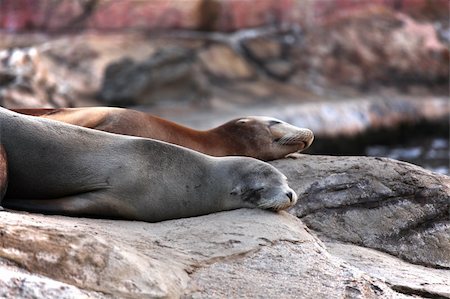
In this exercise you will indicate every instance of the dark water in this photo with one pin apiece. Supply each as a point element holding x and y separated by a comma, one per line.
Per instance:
<point>430,153</point>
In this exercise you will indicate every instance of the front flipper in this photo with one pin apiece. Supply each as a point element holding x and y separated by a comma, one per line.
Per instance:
<point>82,205</point>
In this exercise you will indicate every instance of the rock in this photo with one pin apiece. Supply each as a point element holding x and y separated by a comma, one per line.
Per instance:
<point>420,9</point>
<point>263,49</point>
<point>279,69</point>
<point>16,283</point>
<point>223,63</point>
<point>284,270</point>
<point>127,259</point>
<point>401,276</point>
<point>325,51</point>
<point>399,51</point>
<point>167,75</point>
<point>46,15</point>
<point>272,54</point>
<point>85,261</point>
<point>19,15</point>
<point>378,203</point>
<point>73,66</point>
<point>25,81</point>
<point>358,117</point>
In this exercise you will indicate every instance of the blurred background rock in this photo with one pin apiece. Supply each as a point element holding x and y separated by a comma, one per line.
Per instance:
<point>369,77</point>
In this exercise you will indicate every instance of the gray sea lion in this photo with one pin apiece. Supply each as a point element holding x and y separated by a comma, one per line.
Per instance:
<point>260,137</point>
<point>59,168</point>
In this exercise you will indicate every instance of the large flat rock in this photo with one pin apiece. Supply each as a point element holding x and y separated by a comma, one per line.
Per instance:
<point>236,254</point>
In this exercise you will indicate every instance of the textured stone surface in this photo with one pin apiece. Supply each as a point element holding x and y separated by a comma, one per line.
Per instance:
<point>399,51</point>
<point>166,75</point>
<point>223,63</point>
<point>285,270</point>
<point>401,276</point>
<point>228,254</point>
<point>135,259</point>
<point>16,283</point>
<point>47,15</point>
<point>86,261</point>
<point>26,81</point>
<point>374,202</point>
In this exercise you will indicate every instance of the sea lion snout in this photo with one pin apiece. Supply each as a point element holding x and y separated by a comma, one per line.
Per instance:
<point>289,135</point>
<point>292,196</point>
<point>291,199</point>
<point>278,198</point>
<point>307,137</point>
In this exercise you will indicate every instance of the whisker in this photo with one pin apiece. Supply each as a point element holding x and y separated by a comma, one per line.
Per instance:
<point>294,139</point>
<point>273,205</point>
<point>286,140</point>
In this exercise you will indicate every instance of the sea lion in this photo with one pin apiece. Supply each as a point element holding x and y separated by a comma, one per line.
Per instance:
<point>58,168</point>
<point>3,172</point>
<point>260,137</point>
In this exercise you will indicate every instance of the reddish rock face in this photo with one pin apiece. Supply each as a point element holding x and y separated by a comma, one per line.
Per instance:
<point>218,15</point>
<point>376,45</point>
<point>358,45</point>
<point>47,15</point>
<point>423,9</point>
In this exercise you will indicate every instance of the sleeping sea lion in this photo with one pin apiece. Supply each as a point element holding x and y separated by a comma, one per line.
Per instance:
<point>260,137</point>
<point>58,168</point>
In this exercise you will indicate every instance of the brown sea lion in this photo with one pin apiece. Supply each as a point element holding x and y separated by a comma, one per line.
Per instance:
<point>260,137</point>
<point>3,172</point>
<point>59,168</point>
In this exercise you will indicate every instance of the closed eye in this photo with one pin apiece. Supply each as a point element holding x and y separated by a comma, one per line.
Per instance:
<point>242,121</point>
<point>274,122</point>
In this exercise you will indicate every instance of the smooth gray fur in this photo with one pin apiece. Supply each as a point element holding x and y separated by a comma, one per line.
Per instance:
<point>59,168</point>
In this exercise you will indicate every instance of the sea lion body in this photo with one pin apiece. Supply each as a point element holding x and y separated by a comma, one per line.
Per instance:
<point>260,137</point>
<point>59,168</point>
<point>3,172</point>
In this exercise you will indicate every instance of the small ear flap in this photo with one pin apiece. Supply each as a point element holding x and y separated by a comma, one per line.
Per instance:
<point>243,120</point>
<point>236,191</point>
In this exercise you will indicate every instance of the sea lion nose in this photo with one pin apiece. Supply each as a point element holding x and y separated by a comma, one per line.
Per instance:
<point>290,195</point>
<point>308,137</point>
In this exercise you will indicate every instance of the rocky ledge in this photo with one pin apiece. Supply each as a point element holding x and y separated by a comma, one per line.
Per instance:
<point>366,228</point>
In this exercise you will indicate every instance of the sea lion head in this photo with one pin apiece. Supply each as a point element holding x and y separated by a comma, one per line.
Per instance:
<point>268,138</point>
<point>260,185</point>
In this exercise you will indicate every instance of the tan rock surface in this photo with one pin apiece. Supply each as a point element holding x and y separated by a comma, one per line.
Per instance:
<point>237,254</point>
<point>223,63</point>
<point>400,275</point>
<point>135,259</point>
<point>17,283</point>
<point>285,270</point>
